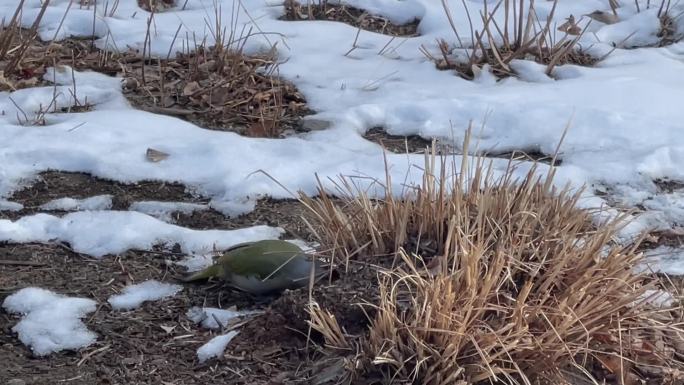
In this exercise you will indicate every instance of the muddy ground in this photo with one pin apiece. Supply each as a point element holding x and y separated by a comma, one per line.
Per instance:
<point>157,343</point>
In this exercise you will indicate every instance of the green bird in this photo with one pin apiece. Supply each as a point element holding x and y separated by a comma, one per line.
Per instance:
<point>262,267</point>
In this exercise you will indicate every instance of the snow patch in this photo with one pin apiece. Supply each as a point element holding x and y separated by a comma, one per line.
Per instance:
<point>99,202</point>
<point>133,296</point>
<point>10,206</point>
<point>164,210</point>
<point>50,322</point>
<point>98,233</point>
<point>666,259</point>
<point>215,347</point>
<point>208,316</point>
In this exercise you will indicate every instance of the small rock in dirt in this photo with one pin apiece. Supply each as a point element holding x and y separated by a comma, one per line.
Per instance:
<point>314,124</point>
<point>16,381</point>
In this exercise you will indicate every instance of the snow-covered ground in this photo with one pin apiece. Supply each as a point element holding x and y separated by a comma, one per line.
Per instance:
<point>624,116</point>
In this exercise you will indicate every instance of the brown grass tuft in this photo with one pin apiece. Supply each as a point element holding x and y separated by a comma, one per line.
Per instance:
<point>522,36</point>
<point>488,279</point>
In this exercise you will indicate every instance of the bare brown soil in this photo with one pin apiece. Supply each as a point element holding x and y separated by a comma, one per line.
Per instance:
<point>132,347</point>
<point>414,144</point>
<point>346,14</point>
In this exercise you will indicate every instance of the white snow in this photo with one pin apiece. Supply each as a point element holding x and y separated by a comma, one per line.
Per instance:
<point>50,322</point>
<point>164,210</point>
<point>99,202</point>
<point>207,316</point>
<point>626,124</point>
<point>659,298</point>
<point>10,206</point>
<point>667,259</point>
<point>98,233</point>
<point>133,296</point>
<point>215,347</point>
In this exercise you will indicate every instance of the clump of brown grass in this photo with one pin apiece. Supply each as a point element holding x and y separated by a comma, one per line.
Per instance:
<point>325,10</point>
<point>521,37</point>
<point>491,280</point>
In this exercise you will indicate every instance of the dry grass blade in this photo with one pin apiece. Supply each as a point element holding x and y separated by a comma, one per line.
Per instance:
<point>325,323</point>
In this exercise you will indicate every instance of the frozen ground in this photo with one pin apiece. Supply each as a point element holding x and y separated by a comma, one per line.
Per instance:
<point>626,124</point>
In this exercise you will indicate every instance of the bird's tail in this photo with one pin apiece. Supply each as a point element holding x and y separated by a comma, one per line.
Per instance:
<point>209,272</point>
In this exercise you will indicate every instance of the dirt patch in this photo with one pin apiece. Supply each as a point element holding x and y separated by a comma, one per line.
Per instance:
<point>156,5</point>
<point>60,184</point>
<point>218,89</point>
<point>668,185</point>
<point>529,156</point>
<point>356,17</point>
<point>414,144</point>
<point>398,144</point>
<point>50,185</point>
<point>132,347</point>
<point>213,87</point>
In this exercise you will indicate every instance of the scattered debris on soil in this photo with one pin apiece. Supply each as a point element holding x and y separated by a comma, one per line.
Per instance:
<point>154,344</point>
<point>398,144</point>
<point>156,5</point>
<point>215,88</point>
<point>356,17</point>
<point>414,144</point>
<point>218,89</point>
<point>50,185</point>
<point>668,185</point>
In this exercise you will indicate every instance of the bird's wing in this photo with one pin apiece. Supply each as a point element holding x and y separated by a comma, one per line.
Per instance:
<point>263,265</point>
<point>238,246</point>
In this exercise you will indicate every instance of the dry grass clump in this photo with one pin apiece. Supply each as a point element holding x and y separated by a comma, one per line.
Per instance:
<point>522,36</point>
<point>324,10</point>
<point>491,280</point>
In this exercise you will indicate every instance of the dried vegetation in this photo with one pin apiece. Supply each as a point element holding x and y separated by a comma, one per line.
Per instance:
<point>15,43</point>
<point>521,37</point>
<point>488,279</point>
<point>217,87</point>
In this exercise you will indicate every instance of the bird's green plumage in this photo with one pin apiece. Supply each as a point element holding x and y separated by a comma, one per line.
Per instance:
<point>263,266</point>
